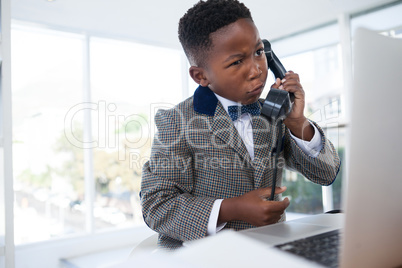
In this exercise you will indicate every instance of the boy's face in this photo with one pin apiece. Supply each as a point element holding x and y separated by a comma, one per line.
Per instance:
<point>236,67</point>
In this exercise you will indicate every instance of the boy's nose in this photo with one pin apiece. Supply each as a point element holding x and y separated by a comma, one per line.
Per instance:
<point>255,71</point>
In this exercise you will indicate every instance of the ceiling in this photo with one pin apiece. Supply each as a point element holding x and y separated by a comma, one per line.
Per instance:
<point>155,21</point>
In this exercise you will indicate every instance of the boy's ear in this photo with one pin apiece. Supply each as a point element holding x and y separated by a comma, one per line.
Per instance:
<point>198,75</point>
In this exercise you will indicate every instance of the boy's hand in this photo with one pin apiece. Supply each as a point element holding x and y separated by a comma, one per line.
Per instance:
<point>254,208</point>
<point>296,121</point>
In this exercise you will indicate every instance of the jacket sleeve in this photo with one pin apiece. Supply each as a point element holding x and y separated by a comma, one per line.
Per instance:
<point>322,169</point>
<point>168,205</point>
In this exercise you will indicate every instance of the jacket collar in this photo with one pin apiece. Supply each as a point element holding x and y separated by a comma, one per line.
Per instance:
<point>205,101</point>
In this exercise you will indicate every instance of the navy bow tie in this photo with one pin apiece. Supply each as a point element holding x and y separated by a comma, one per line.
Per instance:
<point>235,111</point>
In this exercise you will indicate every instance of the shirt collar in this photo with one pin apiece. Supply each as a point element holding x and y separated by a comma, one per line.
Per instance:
<point>226,103</point>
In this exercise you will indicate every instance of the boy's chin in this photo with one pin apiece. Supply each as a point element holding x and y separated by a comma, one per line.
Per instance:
<point>251,100</point>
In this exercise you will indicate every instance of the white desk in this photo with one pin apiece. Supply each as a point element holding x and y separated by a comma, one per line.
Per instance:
<point>239,249</point>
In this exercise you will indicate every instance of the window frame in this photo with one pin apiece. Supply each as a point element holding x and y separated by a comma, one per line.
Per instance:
<point>7,248</point>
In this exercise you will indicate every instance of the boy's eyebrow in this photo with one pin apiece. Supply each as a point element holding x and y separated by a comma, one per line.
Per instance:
<point>234,56</point>
<point>239,55</point>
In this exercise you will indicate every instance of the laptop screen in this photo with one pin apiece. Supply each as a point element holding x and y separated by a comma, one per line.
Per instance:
<point>373,223</point>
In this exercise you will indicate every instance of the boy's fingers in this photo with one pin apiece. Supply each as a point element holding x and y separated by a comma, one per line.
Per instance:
<point>283,204</point>
<point>266,192</point>
<point>277,83</point>
<point>279,190</point>
<point>279,205</point>
<point>286,202</point>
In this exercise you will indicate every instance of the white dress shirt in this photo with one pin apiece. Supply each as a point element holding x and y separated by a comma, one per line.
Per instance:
<point>243,126</point>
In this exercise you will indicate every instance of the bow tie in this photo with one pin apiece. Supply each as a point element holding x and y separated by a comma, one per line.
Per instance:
<point>236,111</point>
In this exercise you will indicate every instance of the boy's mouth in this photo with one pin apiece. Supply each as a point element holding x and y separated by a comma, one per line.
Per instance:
<point>257,90</point>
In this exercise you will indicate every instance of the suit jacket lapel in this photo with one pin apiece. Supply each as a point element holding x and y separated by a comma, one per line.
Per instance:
<point>262,136</point>
<point>263,133</point>
<point>205,102</point>
<point>223,128</point>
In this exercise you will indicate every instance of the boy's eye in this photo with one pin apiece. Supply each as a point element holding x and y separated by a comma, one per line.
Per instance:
<point>236,62</point>
<point>259,52</point>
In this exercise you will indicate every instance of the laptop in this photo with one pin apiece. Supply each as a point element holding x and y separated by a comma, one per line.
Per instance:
<point>370,229</point>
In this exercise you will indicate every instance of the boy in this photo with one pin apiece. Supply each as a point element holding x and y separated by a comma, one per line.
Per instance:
<point>208,171</point>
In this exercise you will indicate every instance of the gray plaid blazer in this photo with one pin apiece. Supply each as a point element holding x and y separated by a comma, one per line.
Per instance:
<point>198,156</point>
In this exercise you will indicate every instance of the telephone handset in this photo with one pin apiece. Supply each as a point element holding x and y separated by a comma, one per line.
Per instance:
<point>278,103</point>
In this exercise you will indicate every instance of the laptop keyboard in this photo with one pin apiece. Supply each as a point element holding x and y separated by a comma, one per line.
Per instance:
<point>322,248</point>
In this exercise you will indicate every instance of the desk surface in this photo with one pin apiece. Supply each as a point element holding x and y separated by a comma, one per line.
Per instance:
<point>238,249</point>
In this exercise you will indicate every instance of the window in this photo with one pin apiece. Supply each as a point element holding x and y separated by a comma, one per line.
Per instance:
<point>320,72</point>
<point>127,99</point>
<point>386,19</point>
<point>47,81</point>
<point>71,177</point>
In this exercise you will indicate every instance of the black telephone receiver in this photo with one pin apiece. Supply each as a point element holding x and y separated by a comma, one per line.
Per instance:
<point>278,103</point>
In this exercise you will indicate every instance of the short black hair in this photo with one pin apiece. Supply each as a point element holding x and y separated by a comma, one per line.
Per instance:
<point>204,18</point>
